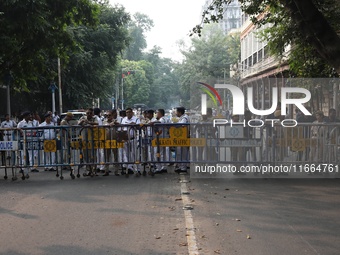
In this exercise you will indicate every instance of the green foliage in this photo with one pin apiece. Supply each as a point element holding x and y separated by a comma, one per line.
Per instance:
<point>32,32</point>
<point>91,72</point>
<point>309,26</point>
<point>140,24</point>
<point>207,60</point>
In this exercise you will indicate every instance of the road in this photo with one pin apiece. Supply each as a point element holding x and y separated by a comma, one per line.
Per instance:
<point>145,215</point>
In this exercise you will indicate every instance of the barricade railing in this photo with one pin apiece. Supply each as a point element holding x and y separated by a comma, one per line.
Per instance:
<point>143,149</point>
<point>317,143</point>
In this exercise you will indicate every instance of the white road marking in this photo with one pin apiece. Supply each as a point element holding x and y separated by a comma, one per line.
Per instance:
<point>189,222</point>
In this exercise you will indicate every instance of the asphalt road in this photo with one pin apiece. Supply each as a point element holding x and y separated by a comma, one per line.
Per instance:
<point>118,215</point>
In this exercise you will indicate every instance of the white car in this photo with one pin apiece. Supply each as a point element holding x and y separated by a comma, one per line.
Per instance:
<point>76,116</point>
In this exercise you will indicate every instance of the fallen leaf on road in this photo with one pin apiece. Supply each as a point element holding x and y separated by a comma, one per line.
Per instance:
<point>158,237</point>
<point>183,244</point>
<point>203,236</point>
<point>178,199</point>
<point>217,224</point>
<point>248,237</point>
<point>226,189</point>
<point>176,229</point>
<point>237,219</point>
<point>239,230</point>
<point>217,252</point>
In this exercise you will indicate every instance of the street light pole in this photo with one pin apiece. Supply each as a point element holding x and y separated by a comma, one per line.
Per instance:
<point>122,90</point>
<point>53,87</point>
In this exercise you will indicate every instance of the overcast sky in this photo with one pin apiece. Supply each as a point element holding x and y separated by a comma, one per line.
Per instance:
<point>172,21</point>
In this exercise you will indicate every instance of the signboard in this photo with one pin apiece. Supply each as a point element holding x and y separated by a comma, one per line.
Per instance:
<point>235,142</point>
<point>8,145</point>
<point>98,134</point>
<point>234,132</point>
<point>179,138</point>
<point>180,142</point>
<point>50,145</point>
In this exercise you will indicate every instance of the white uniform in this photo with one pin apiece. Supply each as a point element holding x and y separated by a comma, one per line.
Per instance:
<point>182,153</point>
<point>100,152</point>
<point>29,137</point>
<point>164,151</point>
<point>8,134</point>
<point>48,134</point>
<point>129,150</point>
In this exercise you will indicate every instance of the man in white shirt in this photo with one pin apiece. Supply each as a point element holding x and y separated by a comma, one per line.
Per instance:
<point>111,134</point>
<point>27,123</point>
<point>100,152</point>
<point>87,122</point>
<point>182,153</point>
<point>130,146</point>
<point>8,134</point>
<point>163,133</point>
<point>48,134</point>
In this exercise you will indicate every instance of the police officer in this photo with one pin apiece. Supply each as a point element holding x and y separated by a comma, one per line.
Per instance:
<point>182,153</point>
<point>27,123</point>
<point>48,134</point>
<point>8,134</point>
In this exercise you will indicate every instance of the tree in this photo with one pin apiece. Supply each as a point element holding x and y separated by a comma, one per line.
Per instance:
<point>33,31</point>
<point>207,60</point>
<point>136,86</point>
<point>140,24</point>
<point>307,22</point>
<point>91,71</point>
<point>164,86</point>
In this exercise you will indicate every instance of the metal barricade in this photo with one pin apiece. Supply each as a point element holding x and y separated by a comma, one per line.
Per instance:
<point>142,149</point>
<point>317,143</point>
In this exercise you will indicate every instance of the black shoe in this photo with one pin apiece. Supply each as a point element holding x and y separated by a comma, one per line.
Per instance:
<point>102,171</point>
<point>178,170</point>
<point>123,172</point>
<point>52,169</point>
<point>34,170</point>
<point>164,171</point>
<point>158,172</point>
<point>106,174</point>
<point>130,171</point>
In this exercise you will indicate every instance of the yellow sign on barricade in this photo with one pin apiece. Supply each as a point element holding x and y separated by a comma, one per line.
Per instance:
<point>106,144</point>
<point>50,145</point>
<point>180,142</point>
<point>178,132</point>
<point>98,133</point>
<point>179,138</point>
